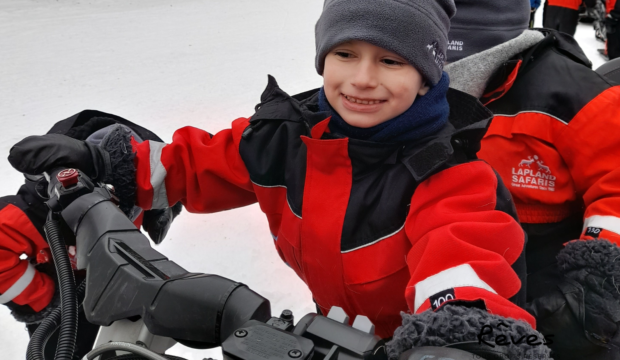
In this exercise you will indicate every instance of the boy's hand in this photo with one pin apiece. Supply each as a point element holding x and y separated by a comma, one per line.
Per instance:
<point>474,330</point>
<point>37,154</point>
<point>111,161</point>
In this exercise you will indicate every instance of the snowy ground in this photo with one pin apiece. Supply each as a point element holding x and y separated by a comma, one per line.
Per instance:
<point>165,64</point>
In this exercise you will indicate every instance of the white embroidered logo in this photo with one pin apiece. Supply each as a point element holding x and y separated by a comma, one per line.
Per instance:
<point>532,173</point>
<point>438,56</point>
<point>455,45</point>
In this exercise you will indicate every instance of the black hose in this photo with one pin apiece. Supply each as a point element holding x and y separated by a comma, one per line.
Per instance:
<point>39,338</point>
<point>68,301</point>
<point>49,325</point>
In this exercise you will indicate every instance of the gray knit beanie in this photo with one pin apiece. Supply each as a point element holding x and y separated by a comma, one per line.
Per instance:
<point>482,24</point>
<point>417,30</point>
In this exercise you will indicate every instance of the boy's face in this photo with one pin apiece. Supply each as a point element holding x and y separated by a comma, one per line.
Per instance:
<point>368,85</point>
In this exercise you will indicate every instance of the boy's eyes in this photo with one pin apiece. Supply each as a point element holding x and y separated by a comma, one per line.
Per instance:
<point>388,61</point>
<point>391,62</point>
<point>343,54</point>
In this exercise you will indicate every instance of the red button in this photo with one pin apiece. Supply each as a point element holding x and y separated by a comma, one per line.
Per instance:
<point>44,256</point>
<point>68,177</point>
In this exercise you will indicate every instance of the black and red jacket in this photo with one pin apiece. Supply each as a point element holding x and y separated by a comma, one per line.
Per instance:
<point>21,232</point>
<point>555,141</point>
<point>22,216</point>
<point>562,15</point>
<point>373,228</point>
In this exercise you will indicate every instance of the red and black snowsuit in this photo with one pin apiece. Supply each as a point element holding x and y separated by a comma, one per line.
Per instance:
<point>561,15</point>
<point>23,287</point>
<point>373,228</point>
<point>21,232</point>
<point>612,23</point>
<point>554,141</point>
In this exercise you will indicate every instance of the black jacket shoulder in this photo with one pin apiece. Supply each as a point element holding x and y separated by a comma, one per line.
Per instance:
<point>555,78</point>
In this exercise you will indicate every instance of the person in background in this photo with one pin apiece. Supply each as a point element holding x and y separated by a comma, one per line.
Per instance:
<point>612,25</point>
<point>555,142</point>
<point>561,15</point>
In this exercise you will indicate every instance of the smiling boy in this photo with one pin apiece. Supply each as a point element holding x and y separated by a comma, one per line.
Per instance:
<point>370,185</point>
<point>369,85</point>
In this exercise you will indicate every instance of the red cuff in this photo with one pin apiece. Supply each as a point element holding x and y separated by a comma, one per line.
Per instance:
<point>494,303</point>
<point>592,233</point>
<point>38,294</point>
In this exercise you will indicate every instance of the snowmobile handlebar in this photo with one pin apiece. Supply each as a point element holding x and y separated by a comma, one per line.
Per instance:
<point>126,278</point>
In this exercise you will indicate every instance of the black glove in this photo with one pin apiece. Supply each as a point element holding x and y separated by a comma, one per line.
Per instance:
<point>470,329</point>
<point>110,162</point>
<point>37,154</point>
<point>583,312</point>
<point>157,221</point>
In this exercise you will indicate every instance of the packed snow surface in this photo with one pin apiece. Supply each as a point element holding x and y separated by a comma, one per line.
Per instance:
<point>165,64</point>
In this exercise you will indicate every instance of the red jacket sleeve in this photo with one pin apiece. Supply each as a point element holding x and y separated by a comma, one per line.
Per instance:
<point>463,247</point>
<point>590,146</point>
<point>203,171</point>
<point>20,282</point>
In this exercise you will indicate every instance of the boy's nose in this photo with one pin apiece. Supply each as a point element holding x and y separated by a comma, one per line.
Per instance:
<point>365,76</point>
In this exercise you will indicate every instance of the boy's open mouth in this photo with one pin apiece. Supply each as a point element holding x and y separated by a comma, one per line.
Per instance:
<point>360,105</point>
<point>362,101</point>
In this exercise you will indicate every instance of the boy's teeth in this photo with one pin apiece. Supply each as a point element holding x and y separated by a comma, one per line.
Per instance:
<point>365,102</point>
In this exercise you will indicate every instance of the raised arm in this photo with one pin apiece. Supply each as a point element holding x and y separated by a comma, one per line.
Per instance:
<point>203,171</point>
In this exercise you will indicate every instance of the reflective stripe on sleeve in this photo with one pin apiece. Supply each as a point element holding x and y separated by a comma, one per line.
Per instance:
<point>609,223</point>
<point>20,285</point>
<point>458,276</point>
<point>158,175</point>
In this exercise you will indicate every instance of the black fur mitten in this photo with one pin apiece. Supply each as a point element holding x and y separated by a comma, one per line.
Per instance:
<point>583,312</point>
<point>475,330</point>
<point>596,265</point>
<point>117,143</point>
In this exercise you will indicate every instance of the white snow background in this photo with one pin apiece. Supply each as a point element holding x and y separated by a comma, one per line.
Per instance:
<point>165,64</point>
